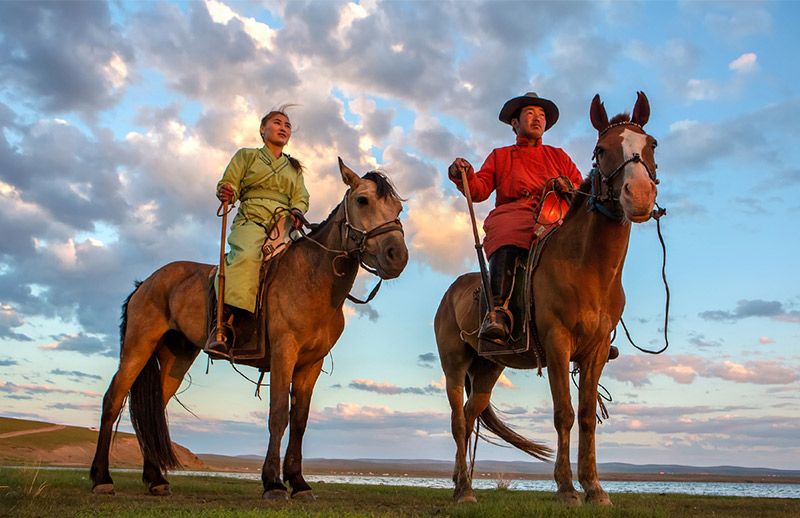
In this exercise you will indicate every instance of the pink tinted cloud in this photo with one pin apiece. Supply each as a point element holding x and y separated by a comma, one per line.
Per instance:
<point>7,386</point>
<point>638,370</point>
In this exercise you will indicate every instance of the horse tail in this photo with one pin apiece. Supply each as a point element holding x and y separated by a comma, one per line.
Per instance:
<point>489,419</point>
<point>123,319</point>
<point>149,419</point>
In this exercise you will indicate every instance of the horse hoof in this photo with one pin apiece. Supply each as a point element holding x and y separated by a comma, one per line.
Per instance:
<point>304,495</point>
<point>275,495</point>
<point>599,499</point>
<point>161,490</point>
<point>103,489</point>
<point>569,498</point>
<point>466,499</point>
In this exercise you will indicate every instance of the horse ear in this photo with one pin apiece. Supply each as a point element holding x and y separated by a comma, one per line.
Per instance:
<point>598,115</point>
<point>348,176</point>
<point>641,112</point>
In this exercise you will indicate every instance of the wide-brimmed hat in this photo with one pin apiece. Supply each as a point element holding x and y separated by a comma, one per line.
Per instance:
<point>511,107</point>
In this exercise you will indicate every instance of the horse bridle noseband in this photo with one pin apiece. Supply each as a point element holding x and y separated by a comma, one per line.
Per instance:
<point>596,199</point>
<point>360,237</point>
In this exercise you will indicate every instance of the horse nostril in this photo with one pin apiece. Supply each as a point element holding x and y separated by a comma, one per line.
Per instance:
<point>390,253</point>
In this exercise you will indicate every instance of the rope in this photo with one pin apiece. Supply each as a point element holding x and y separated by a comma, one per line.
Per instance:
<point>657,214</point>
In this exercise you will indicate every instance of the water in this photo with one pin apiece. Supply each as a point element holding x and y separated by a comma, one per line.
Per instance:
<point>687,488</point>
<point>757,490</point>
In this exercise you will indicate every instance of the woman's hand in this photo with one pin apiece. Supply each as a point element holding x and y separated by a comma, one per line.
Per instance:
<point>225,193</point>
<point>458,165</point>
<point>298,218</point>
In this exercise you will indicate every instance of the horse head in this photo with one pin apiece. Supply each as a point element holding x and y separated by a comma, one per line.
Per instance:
<point>372,209</point>
<point>625,160</point>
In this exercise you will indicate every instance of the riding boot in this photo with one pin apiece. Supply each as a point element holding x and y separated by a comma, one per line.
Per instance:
<point>501,282</point>
<point>221,349</point>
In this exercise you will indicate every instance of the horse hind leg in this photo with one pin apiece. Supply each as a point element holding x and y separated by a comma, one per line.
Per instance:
<point>175,354</point>
<point>131,364</point>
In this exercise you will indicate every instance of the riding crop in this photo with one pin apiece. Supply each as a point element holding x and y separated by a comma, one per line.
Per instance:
<point>487,290</point>
<point>220,339</point>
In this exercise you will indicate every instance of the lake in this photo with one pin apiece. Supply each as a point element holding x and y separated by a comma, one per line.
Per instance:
<point>688,488</point>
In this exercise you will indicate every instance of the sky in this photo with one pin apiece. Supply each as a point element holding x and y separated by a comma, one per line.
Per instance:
<point>118,118</point>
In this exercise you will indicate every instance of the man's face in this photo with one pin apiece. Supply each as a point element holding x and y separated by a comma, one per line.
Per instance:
<point>531,122</point>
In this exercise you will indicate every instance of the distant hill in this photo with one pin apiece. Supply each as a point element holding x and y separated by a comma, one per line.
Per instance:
<point>33,442</point>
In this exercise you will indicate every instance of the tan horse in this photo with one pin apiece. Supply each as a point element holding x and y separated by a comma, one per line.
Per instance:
<point>164,328</point>
<point>577,303</point>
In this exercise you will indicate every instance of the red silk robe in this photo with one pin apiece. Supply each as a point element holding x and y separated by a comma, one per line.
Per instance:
<point>518,173</point>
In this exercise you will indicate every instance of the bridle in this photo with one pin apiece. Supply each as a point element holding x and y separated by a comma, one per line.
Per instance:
<point>596,199</point>
<point>359,237</point>
<point>354,243</point>
<point>596,203</point>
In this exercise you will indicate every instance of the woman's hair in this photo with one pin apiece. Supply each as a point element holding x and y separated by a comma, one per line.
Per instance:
<point>281,110</point>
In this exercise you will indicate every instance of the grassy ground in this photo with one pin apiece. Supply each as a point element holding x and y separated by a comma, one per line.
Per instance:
<point>45,493</point>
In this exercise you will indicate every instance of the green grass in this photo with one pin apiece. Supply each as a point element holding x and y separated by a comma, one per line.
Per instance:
<point>66,493</point>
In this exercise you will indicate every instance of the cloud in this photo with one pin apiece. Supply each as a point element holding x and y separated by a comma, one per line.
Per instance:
<point>83,69</point>
<point>684,369</point>
<point>753,308</point>
<point>427,360</point>
<point>13,388</point>
<point>80,343</point>
<point>388,389</point>
<point>744,63</point>
<point>7,362</point>
<point>75,374</point>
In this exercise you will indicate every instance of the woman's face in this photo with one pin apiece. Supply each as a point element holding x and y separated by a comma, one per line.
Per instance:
<point>277,130</point>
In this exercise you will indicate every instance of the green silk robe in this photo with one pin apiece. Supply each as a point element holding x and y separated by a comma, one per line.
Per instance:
<point>264,186</point>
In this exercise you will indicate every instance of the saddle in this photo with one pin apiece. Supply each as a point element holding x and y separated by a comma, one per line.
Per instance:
<point>248,334</point>
<point>520,303</point>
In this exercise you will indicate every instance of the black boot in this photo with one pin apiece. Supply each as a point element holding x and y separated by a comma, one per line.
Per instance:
<point>220,349</point>
<point>501,282</point>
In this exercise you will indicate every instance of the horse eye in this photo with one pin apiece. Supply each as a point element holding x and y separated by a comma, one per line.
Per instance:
<point>654,145</point>
<point>362,201</point>
<point>599,151</point>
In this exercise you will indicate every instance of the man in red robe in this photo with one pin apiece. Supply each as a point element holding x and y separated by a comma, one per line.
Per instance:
<point>519,174</point>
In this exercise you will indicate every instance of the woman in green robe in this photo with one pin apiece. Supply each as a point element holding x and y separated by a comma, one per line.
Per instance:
<point>268,184</point>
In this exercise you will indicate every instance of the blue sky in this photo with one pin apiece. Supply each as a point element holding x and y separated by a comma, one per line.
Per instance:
<point>118,119</point>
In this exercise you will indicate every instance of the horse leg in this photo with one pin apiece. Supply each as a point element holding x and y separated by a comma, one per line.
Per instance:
<point>137,354</point>
<point>302,388</point>
<point>483,376</point>
<point>280,379</point>
<point>563,418</point>
<point>458,427</point>
<point>175,356</point>
<point>587,423</point>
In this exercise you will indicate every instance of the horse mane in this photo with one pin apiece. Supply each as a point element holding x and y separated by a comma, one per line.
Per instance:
<point>621,117</point>
<point>384,186</point>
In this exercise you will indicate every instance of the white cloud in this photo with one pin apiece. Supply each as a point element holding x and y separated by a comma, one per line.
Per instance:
<point>744,63</point>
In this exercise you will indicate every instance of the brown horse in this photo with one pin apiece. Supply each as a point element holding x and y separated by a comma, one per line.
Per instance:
<point>577,303</point>
<point>164,328</point>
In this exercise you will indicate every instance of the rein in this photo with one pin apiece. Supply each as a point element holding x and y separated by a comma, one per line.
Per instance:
<point>359,238</point>
<point>596,203</point>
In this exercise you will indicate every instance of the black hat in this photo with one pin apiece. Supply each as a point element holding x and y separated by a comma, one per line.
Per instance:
<point>511,107</point>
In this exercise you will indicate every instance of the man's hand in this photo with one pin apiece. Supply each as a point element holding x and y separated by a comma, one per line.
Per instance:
<point>562,186</point>
<point>458,165</point>
<point>225,192</point>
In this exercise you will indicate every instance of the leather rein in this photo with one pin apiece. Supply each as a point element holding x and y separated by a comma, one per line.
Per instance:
<point>354,243</point>
<point>597,202</point>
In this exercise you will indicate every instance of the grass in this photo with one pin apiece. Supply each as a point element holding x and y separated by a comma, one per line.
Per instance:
<point>62,493</point>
